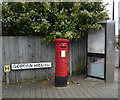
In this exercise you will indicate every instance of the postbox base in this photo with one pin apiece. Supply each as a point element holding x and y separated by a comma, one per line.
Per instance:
<point>61,81</point>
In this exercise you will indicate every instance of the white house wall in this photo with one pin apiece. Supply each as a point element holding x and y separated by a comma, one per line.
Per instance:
<point>119,14</point>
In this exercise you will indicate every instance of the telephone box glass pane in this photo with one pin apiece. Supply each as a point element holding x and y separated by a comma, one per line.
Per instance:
<point>96,41</point>
<point>96,67</point>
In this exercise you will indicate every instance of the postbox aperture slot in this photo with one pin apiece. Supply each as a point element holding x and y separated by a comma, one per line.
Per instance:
<point>63,46</point>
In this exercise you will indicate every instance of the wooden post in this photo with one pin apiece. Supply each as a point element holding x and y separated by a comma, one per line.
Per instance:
<point>7,78</point>
<point>47,72</point>
<point>118,66</point>
<point>70,57</point>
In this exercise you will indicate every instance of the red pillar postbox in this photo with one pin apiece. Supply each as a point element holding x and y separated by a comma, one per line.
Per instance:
<point>61,68</point>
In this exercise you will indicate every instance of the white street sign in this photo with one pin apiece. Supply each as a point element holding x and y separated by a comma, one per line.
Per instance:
<point>31,65</point>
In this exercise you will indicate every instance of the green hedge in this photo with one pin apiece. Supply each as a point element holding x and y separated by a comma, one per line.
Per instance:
<point>51,19</point>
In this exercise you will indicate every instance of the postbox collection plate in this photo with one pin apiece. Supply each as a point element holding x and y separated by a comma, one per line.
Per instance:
<point>63,53</point>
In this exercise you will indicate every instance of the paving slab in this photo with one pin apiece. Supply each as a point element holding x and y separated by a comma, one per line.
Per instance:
<point>79,87</point>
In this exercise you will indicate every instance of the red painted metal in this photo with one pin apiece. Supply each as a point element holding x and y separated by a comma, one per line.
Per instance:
<point>61,55</point>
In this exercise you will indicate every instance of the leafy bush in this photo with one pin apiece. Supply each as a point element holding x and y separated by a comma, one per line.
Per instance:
<point>118,44</point>
<point>51,19</point>
<point>80,67</point>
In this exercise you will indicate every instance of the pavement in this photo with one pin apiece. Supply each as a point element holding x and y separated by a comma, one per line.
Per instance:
<point>78,87</point>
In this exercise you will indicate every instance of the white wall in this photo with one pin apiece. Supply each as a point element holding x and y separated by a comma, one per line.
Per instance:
<point>116,17</point>
<point>119,14</point>
<point>109,7</point>
<point>110,12</point>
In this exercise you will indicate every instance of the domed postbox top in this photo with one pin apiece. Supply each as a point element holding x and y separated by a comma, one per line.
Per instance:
<point>61,40</point>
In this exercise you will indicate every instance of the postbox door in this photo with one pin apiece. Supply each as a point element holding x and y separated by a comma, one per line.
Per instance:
<point>62,59</point>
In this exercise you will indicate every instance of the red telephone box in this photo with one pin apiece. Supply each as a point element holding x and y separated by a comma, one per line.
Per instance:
<point>61,68</point>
